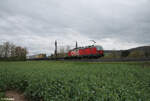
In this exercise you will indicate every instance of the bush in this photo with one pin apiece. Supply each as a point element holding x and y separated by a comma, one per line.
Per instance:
<point>125,53</point>
<point>136,54</point>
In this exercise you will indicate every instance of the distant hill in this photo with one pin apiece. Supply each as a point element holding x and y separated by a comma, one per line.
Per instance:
<point>142,48</point>
<point>118,53</point>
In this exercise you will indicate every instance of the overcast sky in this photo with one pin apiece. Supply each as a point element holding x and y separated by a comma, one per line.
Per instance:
<point>36,24</point>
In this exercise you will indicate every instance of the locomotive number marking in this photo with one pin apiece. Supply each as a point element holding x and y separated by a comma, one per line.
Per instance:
<point>75,53</point>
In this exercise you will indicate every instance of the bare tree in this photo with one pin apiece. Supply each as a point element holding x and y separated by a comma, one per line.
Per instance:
<point>11,52</point>
<point>1,51</point>
<point>6,49</point>
<point>21,52</point>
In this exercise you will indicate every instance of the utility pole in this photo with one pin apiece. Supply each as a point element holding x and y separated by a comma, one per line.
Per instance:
<point>55,47</point>
<point>76,44</point>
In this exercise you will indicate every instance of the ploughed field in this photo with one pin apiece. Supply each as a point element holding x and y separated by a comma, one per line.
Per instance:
<point>76,81</point>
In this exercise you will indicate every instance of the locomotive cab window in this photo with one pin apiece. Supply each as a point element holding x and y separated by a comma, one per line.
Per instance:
<point>99,48</point>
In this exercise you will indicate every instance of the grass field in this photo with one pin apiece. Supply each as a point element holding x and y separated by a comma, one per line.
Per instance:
<point>75,81</point>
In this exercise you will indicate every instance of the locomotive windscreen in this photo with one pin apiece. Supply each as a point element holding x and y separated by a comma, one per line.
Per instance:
<point>99,48</point>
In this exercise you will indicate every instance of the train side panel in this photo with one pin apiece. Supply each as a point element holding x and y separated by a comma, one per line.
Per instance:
<point>86,52</point>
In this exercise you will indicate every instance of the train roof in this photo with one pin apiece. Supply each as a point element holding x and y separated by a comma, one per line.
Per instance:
<point>87,47</point>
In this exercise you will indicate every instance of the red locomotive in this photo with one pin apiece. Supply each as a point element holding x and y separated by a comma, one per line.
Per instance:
<point>86,52</point>
<point>93,51</point>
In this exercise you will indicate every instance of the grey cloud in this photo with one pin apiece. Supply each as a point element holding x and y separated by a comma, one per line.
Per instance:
<point>33,23</point>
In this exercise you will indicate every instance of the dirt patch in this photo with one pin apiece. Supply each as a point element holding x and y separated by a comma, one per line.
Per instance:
<point>15,95</point>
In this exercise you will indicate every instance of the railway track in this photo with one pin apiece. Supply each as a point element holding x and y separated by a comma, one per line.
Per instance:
<point>96,60</point>
<point>107,60</point>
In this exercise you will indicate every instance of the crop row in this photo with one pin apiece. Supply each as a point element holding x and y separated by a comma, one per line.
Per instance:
<point>68,81</point>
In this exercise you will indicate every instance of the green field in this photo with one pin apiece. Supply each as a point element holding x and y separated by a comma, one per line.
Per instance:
<point>75,81</point>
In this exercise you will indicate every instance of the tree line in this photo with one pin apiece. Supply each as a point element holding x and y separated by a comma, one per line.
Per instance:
<point>128,54</point>
<point>11,52</point>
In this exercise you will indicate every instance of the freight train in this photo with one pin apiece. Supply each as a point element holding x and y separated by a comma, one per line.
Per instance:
<point>93,51</point>
<point>81,52</point>
<point>37,57</point>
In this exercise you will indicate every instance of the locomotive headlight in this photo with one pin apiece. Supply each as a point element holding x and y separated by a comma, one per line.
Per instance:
<point>101,52</point>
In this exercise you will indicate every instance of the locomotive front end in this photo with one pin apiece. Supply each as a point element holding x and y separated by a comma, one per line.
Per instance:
<point>100,50</point>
